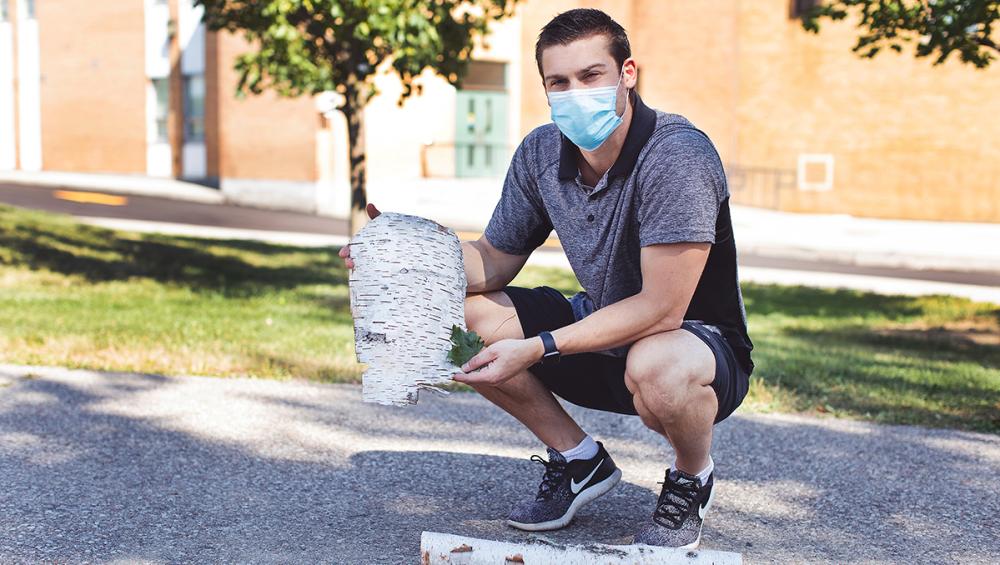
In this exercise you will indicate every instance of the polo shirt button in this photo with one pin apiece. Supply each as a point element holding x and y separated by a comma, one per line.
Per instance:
<point>590,218</point>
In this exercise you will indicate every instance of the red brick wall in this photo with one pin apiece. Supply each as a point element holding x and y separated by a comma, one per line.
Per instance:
<point>261,137</point>
<point>93,86</point>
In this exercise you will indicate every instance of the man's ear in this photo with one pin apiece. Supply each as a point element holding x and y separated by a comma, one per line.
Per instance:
<point>631,72</point>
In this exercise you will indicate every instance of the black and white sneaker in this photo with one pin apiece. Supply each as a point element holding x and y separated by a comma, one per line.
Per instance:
<point>565,487</point>
<point>680,511</point>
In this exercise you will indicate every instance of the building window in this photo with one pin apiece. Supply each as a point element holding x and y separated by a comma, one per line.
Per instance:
<point>4,10</point>
<point>162,90</point>
<point>194,108</point>
<point>30,8</point>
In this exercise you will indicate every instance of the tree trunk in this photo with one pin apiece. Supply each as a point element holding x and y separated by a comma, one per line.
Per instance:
<point>354,111</point>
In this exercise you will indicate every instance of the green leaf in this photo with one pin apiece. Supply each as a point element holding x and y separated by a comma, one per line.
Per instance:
<point>465,345</point>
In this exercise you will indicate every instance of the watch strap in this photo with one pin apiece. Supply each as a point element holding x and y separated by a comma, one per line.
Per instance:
<point>551,354</point>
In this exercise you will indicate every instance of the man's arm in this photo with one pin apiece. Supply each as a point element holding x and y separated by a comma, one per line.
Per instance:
<point>487,268</point>
<point>670,274</point>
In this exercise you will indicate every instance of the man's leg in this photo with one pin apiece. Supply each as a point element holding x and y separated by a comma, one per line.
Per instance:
<point>585,471</point>
<point>670,376</point>
<point>524,397</point>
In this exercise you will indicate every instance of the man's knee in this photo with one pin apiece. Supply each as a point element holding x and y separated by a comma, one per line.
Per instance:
<point>492,316</point>
<point>666,373</point>
<point>668,362</point>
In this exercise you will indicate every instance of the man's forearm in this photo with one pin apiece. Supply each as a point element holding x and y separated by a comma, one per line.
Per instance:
<point>623,322</point>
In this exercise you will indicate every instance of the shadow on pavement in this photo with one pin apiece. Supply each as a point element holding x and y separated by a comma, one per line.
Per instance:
<point>83,484</point>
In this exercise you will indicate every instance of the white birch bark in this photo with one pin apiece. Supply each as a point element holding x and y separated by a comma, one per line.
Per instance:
<point>458,550</point>
<point>407,290</point>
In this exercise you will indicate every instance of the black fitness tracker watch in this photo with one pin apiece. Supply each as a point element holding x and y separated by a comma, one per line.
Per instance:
<point>551,355</point>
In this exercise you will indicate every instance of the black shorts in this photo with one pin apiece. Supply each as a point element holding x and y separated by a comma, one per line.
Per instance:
<point>595,380</point>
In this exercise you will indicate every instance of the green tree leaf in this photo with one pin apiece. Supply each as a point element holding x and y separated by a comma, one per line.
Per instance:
<point>465,345</point>
<point>936,28</point>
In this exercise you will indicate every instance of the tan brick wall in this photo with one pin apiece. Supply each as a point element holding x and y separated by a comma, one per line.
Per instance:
<point>93,86</point>
<point>262,137</point>
<point>688,63</point>
<point>909,140</point>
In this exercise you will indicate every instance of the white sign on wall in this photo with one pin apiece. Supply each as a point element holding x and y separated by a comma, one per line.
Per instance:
<point>809,161</point>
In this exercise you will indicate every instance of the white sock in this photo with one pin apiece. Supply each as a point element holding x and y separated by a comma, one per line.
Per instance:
<point>585,450</point>
<point>703,475</point>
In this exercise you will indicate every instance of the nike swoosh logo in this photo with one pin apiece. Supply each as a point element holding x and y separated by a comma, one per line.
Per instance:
<point>575,486</point>
<point>702,509</point>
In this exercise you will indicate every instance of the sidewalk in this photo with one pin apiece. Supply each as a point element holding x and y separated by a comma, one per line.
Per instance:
<point>125,467</point>
<point>467,205</point>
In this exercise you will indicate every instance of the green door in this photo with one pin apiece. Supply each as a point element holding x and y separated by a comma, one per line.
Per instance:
<point>481,136</point>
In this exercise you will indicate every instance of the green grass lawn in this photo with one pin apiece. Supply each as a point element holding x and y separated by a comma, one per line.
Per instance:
<point>80,296</point>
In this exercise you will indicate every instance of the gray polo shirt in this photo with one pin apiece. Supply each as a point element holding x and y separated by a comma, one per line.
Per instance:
<point>667,186</point>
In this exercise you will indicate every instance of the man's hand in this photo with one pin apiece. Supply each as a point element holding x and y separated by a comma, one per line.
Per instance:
<point>345,251</point>
<point>499,362</point>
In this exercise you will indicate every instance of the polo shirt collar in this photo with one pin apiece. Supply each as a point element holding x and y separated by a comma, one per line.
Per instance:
<point>639,132</point>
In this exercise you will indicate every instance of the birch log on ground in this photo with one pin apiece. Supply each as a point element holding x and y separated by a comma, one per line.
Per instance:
<point>407,290</point>
<point>438,548</point>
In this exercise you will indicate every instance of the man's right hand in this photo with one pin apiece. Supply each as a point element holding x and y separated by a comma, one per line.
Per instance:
<point>345,251</point>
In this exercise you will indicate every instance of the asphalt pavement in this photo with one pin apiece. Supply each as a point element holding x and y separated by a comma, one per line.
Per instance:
<point>164,210</point>
<point>117,467</point>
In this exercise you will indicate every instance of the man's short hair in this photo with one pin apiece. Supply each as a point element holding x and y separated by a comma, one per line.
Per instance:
<point>580,24</point>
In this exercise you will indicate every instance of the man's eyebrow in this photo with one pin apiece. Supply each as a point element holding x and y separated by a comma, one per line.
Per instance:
<point>584,70</point>
<point>593,67</point>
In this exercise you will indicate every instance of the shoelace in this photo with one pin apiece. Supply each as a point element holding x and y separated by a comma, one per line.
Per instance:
<point>554,471</point>
<point>674,503</point>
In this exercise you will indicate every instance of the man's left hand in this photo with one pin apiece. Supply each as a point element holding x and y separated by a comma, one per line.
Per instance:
<point>500,361</point>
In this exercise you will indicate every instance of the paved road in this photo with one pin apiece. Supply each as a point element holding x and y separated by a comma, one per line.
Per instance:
<point>144,468</point>
<point>155,209</point>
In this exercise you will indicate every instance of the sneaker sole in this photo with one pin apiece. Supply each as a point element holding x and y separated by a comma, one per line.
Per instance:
<point>584,497</point>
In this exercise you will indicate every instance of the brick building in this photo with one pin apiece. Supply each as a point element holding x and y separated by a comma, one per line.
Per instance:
<point>139,87</point>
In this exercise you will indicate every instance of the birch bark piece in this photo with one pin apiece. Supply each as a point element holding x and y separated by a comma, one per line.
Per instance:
<point>459,550</point>
<point>407,290</point>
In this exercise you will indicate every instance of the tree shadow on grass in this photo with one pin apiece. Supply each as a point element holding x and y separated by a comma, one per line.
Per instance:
<point>890,378</point>
<point>764,299</point>
<point>99,255</point>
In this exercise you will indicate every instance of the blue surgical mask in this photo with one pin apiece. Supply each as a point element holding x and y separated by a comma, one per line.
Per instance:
<point>586,116</point>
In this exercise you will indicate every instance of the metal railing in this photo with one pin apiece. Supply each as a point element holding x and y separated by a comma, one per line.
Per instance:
<point>759,186</point>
